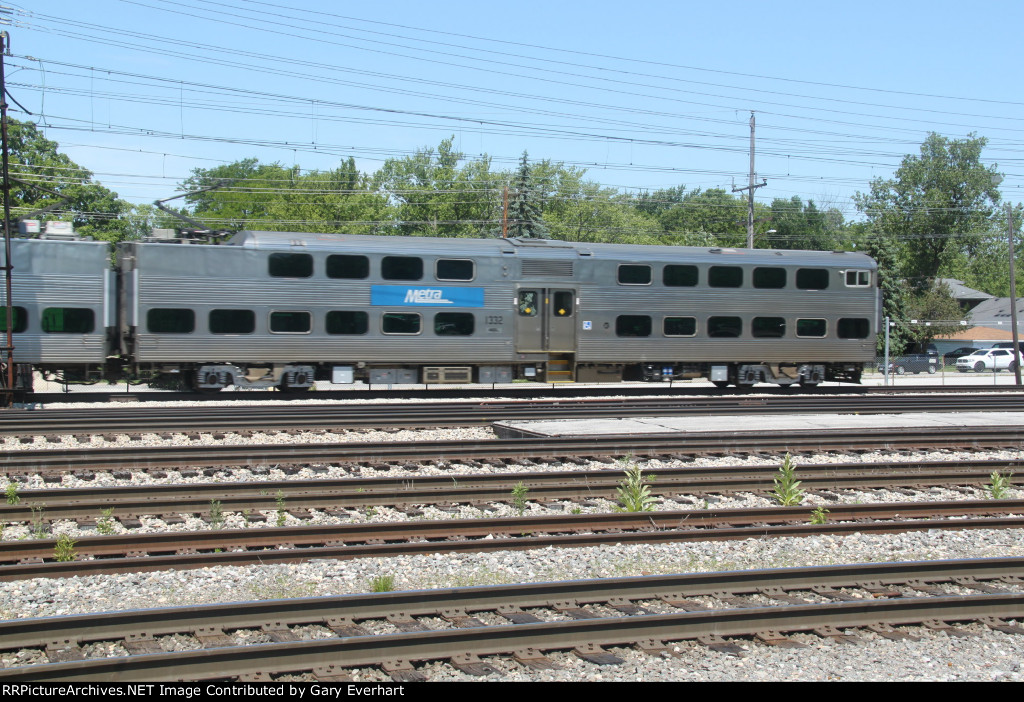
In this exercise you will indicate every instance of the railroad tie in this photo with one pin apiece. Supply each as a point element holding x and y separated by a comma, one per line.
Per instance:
<point>829,632</point>
<point>343,626</point>
<point>593,653</point>
<point>139,644</point>
<point>402,671</point>
<point>532,658</point>
<point>64,650</point>
<point>212,637</point>
<point>332,674</point>
<point>775,638</point>
<point>887,632</point>
<point>470,664</point>
<point>717,643</point>
<point>461,619</point>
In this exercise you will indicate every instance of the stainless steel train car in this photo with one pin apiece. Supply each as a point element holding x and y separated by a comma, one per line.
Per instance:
<point>278,309</point>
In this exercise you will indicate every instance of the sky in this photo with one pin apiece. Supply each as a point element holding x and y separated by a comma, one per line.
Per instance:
<point>644,97</point>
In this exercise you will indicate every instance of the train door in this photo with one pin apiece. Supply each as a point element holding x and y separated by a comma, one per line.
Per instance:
<point>546,320</point>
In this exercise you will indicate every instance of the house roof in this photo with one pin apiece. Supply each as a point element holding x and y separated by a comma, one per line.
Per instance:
<point>962,292</point>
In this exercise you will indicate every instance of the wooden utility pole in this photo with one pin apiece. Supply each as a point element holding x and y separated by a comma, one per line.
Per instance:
<point>751,187</point>
<point>1013,297</point>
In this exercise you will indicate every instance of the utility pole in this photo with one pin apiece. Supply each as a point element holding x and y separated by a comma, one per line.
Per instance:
<point>750,188</point>
<point>1013,297</point>
<point>9,311</point>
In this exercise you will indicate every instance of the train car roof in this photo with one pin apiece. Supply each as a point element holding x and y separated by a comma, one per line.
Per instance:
<point>542,248</point>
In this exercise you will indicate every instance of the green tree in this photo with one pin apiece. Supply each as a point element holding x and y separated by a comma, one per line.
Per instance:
<point>939,308</point>
<point>937,206</point>
<point>42,176</point>
<point>709,216</point>
<point>894,294</point>
<point>524,209</point>
<point>803,226</point>
<point>247,190</point>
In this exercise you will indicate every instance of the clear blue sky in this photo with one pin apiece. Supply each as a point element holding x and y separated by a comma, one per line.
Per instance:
<point>647,95</point>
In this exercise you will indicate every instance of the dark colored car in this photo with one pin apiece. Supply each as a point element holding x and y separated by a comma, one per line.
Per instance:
<point>913,363</point>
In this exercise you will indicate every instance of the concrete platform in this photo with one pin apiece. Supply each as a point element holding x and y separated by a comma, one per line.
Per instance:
<point>746,423</point>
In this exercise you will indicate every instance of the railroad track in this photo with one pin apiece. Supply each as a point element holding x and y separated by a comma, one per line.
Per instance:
<point>525,390</point>
<point>584,617</point>
<point>138,552</point>
<point>131,502</point>
<point>137,420</point>
<point>58,461</point>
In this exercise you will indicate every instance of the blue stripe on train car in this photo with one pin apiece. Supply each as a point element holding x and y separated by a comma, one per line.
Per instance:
<point>405,296</point>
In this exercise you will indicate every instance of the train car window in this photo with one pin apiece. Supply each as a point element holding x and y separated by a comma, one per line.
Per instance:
<point>769,277</point>
<point>563,303</point>
<point>453,324</point>
<point>724,327</point>
<point>401,268</point>
<point>290,265</point>
<point>725,276</point>
<point>454,269</point>
<point>291,322</point>
<point>768,327</point>
<point>528,303</point>
<point>348,266</point>
<point>634,274</point>
<point>401,323</point>
<point>680,326</point>
<point>171,321</point>
<point>812,278</point>
<point>679,276</point>
<point>346,322</point>
<point>632,325</point>
<point>232,321</point>
<point>19,320</point>
<point>68,320</point>
<point>853,328</point>
<point>858,279</point>
<point>816,328</point>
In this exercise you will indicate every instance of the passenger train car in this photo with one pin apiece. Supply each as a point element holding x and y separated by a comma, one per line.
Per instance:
<point>272,309</point>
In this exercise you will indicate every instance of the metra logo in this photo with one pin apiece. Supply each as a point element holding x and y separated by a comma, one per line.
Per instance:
<point>425,296</point>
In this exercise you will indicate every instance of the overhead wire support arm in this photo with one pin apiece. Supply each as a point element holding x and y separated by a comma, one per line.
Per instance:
<point>198,225</point>
<point>751,187</point>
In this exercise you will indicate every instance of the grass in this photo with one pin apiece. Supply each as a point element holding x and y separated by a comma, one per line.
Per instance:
<point>519,493</point>
<point>999,488</point>
<point>38,523</point>
<point>819,516</point>
<point>282,511</point>
<point>635,491</point>
<point>787,490</point>
<point>64,549</point>
<point>12,494</point>
<point>382,583</point>
<point>105,524</point>
<point>216,515</point>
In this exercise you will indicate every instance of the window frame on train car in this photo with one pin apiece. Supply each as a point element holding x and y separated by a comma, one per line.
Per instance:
<point>719,319</point>
<point>347,266</point>
<point>665,331</point>
<point>767,277</point>
<point>19,315</point>
<point>449,276</point>
<point>183,320</point>
<point>295,314</point>
<point>768,327</point>
<point>824,326</point>
<point>634,274</point>
<point>680,272</point>
<point>384,318</point>
<point>861,278</point>
<point>863,327</point>
<point>332,318</point>
<point>819,275</point>
<point>220,312</point>
<point>562,310</point>
<point>452,322</point>
<point>287,265</point>
<point>83,317</point>
<point>725,276</point>
<point>393,268</point>
<point>633,326</point>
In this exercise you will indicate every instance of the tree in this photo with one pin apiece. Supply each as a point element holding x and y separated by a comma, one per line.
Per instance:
<point>937,311</point>
<point>894,298</point>
<point>804,226</point>
<point>524,210</point>
<point>42,176</point>
<point>936,207</point>
<point>248,189</point>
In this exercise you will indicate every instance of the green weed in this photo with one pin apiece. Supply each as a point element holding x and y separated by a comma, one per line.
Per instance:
<point>12,494</point>
<point>382,583</point>
<point>519,497</point>
<point>635,491</point>
<point>787,490</point>
<point>999,488</point>
<point>105,524</point>
<point>64,549</point>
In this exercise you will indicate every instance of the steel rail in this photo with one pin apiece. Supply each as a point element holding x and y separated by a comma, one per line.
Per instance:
<point>143,458</point>
<point>529,390</point>
<point>112,626</point>
<point>327,654</point>
<point>121,420</point>
<point>121,553</point>
<point>132,501</point>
